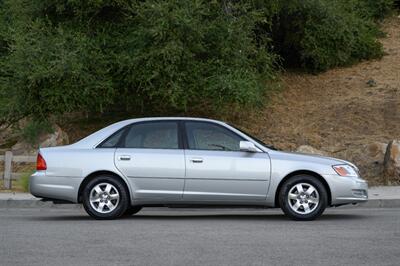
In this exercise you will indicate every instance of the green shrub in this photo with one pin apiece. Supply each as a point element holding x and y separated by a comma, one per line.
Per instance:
<point>23,181</point>
<point>147,56</point>
<point>321,34</point>
<point>132,55</point>
<point>376,9</point>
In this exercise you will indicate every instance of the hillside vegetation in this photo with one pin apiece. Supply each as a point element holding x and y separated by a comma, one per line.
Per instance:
<point>345,112</point>
<point>146,57</point>
<point>283,70</point>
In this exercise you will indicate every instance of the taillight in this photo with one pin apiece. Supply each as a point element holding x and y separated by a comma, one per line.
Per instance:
<point>40,163</point>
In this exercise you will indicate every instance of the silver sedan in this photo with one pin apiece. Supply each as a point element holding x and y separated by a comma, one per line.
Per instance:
<point>190,161</point>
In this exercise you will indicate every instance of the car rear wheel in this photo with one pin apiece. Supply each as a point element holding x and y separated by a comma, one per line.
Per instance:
<point>132,210</point>
<point>105,197</point>
<point>303,197</point>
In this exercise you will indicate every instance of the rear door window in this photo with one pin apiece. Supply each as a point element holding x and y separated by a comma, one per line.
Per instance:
<point>152,135</point>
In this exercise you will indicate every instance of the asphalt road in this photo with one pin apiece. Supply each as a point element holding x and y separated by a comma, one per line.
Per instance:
<point>206,237</point>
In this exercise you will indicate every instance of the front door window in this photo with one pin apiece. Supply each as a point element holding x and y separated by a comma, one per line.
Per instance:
<point>207,136</point>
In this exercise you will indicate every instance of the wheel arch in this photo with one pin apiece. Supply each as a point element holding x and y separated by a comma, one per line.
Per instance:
<point>98,173</point>
<point>303,172</point>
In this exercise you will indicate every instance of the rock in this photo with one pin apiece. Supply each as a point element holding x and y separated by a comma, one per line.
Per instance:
<point>391,163</point>
<point>8,136</point>
<point>334,149</point>
<point>310,150</point>
<point>368,158</point>
<point>377,150</point>
<point>57,138</point>
<point>23,148</point>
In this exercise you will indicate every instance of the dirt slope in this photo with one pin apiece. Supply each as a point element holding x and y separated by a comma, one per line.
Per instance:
<point>341,110</point>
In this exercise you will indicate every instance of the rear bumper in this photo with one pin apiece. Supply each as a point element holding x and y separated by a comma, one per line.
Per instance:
<point>54,187</point>
<point>347,190</point>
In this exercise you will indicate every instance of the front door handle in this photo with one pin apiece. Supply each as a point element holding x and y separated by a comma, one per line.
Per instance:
<point>124,157</point>
<point>196,160</point>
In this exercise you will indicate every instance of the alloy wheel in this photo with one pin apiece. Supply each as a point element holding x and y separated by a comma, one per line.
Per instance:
<point>104,198</point>
<point>303,198</point>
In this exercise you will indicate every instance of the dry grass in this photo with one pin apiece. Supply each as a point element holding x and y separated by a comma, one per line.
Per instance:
<point>16,187</point>
<point>337,110</point>
<point>20,185</point>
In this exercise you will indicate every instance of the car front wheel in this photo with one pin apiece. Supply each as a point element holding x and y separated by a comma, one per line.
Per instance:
<point>303,198</point>
<point>105,197</point>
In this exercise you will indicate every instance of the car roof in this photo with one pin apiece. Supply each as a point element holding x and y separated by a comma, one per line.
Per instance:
<point>156,118</point>
<point>95,138</point>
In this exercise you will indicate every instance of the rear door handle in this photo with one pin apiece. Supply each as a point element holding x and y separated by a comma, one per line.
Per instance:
<point>196,160</point>
<point>124,157</point>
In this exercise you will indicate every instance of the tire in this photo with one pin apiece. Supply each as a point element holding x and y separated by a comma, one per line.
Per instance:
<point>105,198</point>
<point>303,198</point>
<point>132,210</point>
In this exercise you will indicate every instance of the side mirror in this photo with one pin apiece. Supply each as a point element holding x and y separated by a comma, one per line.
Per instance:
<point>248,146</point>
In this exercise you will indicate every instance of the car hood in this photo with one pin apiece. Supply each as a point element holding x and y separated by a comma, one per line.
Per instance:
<point>306,157</point>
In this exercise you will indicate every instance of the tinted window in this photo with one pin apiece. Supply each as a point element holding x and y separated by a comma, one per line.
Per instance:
<point>112,141</point>
<point>154,135</point>
<point>207,136</point>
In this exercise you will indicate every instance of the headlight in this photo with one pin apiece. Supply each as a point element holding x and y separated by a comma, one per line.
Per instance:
<point>345,170</point>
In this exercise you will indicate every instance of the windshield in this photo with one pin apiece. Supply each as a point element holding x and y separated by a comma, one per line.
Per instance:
<point>255,138</point>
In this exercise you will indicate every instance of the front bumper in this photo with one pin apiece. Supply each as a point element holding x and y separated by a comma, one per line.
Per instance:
<point>54,187</point>
<point>347,190</point>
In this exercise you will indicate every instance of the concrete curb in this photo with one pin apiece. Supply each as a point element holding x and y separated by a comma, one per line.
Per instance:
<point>381,203</point>
<point>36,203</point>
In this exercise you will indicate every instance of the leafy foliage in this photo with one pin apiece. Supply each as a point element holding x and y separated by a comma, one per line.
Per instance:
<point>319,34</point>
<point>23,181</point>
<point>376,9</point>
<point>138,56</point>
<point>91,55</point>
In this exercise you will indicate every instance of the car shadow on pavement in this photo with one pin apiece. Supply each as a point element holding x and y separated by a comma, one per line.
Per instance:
<point>222,217</point>
<point>266,217</point>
